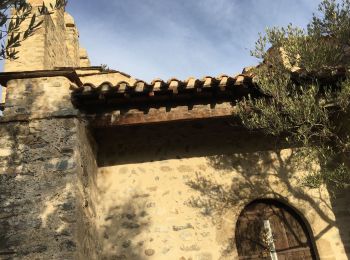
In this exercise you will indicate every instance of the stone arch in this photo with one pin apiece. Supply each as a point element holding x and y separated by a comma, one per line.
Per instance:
<point>273,227</point>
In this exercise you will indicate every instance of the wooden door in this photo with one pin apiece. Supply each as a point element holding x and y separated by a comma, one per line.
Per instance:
<point>270,230</point>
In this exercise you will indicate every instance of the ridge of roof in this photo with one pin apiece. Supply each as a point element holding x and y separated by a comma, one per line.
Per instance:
<point>173,84</point>
<point>172,93</point>
<point>245,75</point>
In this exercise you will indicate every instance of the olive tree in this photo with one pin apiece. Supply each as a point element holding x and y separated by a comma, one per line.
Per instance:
<point>304,78</point>
<point>13,15</point>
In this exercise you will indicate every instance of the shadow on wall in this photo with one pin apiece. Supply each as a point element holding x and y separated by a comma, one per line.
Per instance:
<point>37,184</point>
<point>122,228</point>
<point>258,175</point>
<point>35,192</point>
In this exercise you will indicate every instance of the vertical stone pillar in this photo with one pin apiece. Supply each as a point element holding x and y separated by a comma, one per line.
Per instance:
<point>54,44</point>
<point>47,174</point>
<point>72,40</point>
<point>84,58</point>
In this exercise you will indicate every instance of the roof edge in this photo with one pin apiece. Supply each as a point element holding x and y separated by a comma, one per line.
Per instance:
<point>68,73</point>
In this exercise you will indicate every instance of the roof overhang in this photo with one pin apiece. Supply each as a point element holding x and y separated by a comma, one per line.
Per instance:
<point>62,72</point>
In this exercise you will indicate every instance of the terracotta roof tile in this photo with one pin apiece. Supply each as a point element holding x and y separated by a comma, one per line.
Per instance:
<point>140,86</point>
<point>191,83</point>
<point>208,81</point>
<point>106,86</point>
<point>159,93</point>
<point>157,84</point>
<point>174,85</point>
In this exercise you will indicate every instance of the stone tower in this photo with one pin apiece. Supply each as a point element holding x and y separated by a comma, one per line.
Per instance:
<point>55,44</point>
<point>43,198</point>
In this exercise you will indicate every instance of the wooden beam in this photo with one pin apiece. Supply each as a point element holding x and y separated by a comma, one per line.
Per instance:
<point>68,73</point>
<point>136,117</point>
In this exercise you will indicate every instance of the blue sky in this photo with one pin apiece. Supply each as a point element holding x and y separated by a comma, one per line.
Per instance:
<point>180,38</point>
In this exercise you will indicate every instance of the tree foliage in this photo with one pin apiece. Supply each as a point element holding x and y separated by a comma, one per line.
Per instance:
<point>313,113</point>
<point>18,21</point>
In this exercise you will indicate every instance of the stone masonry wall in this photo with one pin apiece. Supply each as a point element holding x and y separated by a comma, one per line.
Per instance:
<point>38,98</point>
<point>72,40</point>
<point>163,191</point>
<point>40,205</point>
<point>31,53</point>
<point>52,45</point>
<point>47,175</point>
<point>90,245</point>
<point>56,51</point>
<point>175,192</point>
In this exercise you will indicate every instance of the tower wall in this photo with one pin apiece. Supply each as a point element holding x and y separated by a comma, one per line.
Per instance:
<point>72,40</point>
<point>54,44</point>
<point>47,174</point>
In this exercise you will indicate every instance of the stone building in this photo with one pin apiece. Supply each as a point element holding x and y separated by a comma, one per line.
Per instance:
<point>95,164</point>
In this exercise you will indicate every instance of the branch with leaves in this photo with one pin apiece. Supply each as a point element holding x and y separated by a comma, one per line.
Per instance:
<point>18,21</point>
<point>314,116</point>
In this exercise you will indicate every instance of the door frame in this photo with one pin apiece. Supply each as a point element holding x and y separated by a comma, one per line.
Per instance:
<point>294,212</point>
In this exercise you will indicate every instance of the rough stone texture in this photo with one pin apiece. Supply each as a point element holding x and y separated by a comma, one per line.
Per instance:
<point>56,52</point>
<point>38,98</point>
<point>31,53</point>
<point>179,188</point>
<point>72,40</point>
<point>43,188</point>
<point>47,175</point>
<point>90,246</point>
<point>55,44</point>
<point>84,59</point>
<point>161,191</point>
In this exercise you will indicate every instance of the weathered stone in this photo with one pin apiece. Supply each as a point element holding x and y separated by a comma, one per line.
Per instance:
<point>187,226</point>
<point>68,245</point>
<point>126,244</point>
<point>204,256</point>
<point>36,198</point>
<point>127,192</point>
<point>190,248</point>
<point>149,252</point>
<point>130,225</point>
<point>62,166</point>
<point>67,206</point>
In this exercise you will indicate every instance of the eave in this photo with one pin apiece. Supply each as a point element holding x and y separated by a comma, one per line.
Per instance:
<point>66,72</point>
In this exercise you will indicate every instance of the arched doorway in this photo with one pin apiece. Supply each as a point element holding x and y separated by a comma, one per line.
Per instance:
<point>268,229</point>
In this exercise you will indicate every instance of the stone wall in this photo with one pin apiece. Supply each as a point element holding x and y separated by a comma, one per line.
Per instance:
<point>38,98</point>
<point>90,245</point>
<point>84,58</point>
<point>161,191</point>
<point>72,40</point>
<point>54,44</point>
<point>42,212</point>
<point>31,53</point>
<point>56,53</point>
<point>47,175</point>
<point>175,191</point>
